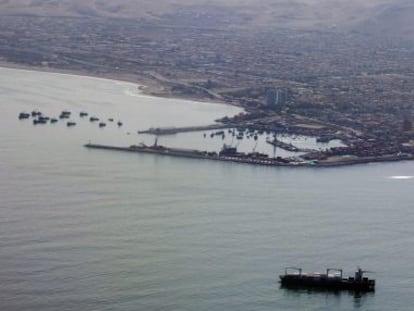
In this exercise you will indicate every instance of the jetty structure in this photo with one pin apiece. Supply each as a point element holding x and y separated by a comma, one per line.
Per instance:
<point>230,154</point>
<point>227,153</point>
<point>287,146</point>
<point>184,129</point>
<point>331,280</point>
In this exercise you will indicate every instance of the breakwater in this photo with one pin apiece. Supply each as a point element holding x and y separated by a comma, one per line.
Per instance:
<point>250,158</point>
<point>289,147</point>
<point>197,154</point>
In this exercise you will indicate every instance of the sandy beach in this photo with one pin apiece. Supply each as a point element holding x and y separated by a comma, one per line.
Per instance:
<point>146,85</point>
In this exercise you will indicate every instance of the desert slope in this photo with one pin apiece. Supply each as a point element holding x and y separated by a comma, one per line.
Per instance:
<point>391,16</point>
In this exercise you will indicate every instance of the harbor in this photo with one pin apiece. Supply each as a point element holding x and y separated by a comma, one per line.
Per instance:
<point>294,156</point>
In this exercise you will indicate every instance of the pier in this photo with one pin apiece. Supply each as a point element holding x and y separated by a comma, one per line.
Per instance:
<point>184,129</point>
<point>289,147</point>
<point>230,155</point>
<point>198,154</point>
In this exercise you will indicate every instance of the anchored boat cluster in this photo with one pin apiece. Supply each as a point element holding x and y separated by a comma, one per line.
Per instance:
<point>39,118</point>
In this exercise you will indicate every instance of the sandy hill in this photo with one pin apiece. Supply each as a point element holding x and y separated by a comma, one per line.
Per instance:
<point>390,16</point>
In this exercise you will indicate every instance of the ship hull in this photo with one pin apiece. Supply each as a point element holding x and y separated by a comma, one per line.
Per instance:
<point>299,281</point>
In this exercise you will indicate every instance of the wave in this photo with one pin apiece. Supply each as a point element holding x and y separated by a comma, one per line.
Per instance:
<point>402,177</point>
<point>132,93</point>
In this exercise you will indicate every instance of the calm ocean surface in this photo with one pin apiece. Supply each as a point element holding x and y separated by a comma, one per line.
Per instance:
<point>98,230</point>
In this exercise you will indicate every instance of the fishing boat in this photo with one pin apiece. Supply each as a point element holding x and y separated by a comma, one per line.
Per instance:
<point>23,115</point>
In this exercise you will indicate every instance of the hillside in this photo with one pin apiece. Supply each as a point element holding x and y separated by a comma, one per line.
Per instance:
<point>391,16</point>
<point>394,19</point>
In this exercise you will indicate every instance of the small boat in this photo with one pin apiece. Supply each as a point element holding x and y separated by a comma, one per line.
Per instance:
<point>331,280</point>
<point>23,115</point>
<point>39,121</point>
<point>36,113</point>
<point>102,124</point>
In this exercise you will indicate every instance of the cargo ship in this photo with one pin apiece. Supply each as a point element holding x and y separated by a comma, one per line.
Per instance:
<point>331,280</point>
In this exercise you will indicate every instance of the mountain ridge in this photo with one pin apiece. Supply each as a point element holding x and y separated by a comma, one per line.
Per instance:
<point>392,17</point>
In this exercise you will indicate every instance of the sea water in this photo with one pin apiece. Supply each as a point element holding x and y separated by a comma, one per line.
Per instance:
<point>85,229</point>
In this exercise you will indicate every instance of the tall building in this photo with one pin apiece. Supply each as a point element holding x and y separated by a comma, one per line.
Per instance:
<point>275,97</point>
<point>407,122</point>
<point>271,97</point>
<point>281,98</point>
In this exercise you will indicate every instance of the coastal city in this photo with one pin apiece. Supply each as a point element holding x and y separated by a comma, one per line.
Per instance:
<point>330,85</point>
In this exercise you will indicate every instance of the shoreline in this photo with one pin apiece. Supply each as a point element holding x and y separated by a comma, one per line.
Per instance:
<point>146,86</point>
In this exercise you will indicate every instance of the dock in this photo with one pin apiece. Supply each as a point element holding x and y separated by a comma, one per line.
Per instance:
<point>184,129</point>
<point>197,154</point>
<point>289,147</point>
<point>246,158</point>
